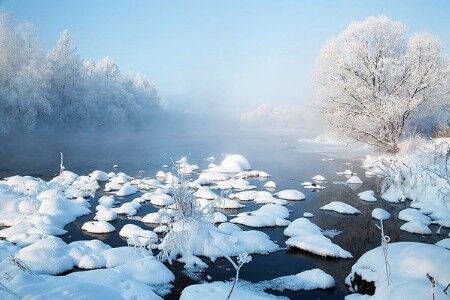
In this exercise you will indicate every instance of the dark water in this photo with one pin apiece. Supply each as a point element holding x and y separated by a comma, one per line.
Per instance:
<point>280,155</point>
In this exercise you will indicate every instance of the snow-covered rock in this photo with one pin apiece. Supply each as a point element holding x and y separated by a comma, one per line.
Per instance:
<point>47,256</point>
<point>291,195</point>
<point>318,178</point>
<point>270,185</point>
<point>99,175</point>
<point>138,236</point>
<point>307,236</point>
<point>266,216</point>
<point>205,193</point>
<point>126,190</point>
<point>368,196</point>
<point>409,264</point>
<point>411,214</point>
<point>340,207</point>
<point>232,163</point>
<point>415,226</point>
<point>98,227</point>
<point>380,214</point>
<point>354,180</point>
<point>306,280</point>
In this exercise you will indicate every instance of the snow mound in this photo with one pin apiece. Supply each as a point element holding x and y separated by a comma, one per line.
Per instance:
<point>47,256</point>
<point>126,190</point>
<point>341,207</point>
<point>445,243</point>
<point>232,163</point>
<point>270,185</point>
<point>225,203</point>
<point>161,199</point>
<point>306,280</point>
<point>220,290</point>
<point>291,195</point>
<point>411,214</point>
<point>354,180</point>
<point>307,236</point>
<point>415,226</point>
<point>266,216</point>
<point>318,178</point>
<point>99,175</point>
<point>146,270</point>
<point>308,215</point>
<point>205,193</point>
<point>409,264</point>
<point>380,214</point>
<point>143,237</point>
<point>368,196</point>
<point>98,227</point>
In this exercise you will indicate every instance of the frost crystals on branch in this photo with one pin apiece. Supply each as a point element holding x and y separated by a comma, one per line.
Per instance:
<point>375,81</point>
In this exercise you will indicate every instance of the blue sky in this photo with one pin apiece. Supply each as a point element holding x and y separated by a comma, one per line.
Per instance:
<point>223,54</point>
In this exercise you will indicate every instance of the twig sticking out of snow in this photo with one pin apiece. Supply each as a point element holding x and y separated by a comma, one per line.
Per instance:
<point>384,245</point>
<point>242,259</point>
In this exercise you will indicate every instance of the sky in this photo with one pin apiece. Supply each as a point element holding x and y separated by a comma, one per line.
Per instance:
<point>219,55</point>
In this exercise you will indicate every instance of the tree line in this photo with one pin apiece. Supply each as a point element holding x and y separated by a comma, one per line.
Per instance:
<point>59,89</point>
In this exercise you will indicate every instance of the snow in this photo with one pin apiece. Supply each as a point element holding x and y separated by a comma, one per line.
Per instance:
<point>209,177</point>
<point>308,215</point>
<point>354,180</point>
<point>88,254</point>
<point>127,208</point>
<point>307,236</point>
<point>98,227</point>
<point>7,249</point>
<point>126,190</point>
<point>138,235</point>
<point>220,290</point>
<point>156,218</point>
<point>306,280</point>
<point>225,203</point>
<point>228,227</point>
<point>270,185</point>
<point>245,195</point>
<point>232,163</point>
<point>318,178</point>
<point>290,195</point>
<point>266,216</point>
<point>107,201</point>
<point>161,199</point>
<point>380,214</point>
<point>205,193</point>
<point>415,226</point>
<point>368,196</point>
<point>47,256</point>
<point>204,239</point>
<point>218,217</point>
<point>121,255</point>
<point>161,174</point>
<point>409,262</point>
<point>393,195</point>
<point>346,172</point>
<point>99,175</point>
<point>146,270</point>
<point>445,243</point>
<point>340,207</point>
<point>411,214</point>
<point>105,214</point>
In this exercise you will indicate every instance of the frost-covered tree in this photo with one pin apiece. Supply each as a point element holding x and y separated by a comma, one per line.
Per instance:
<point>60,88</point>
<point>374,80</point>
